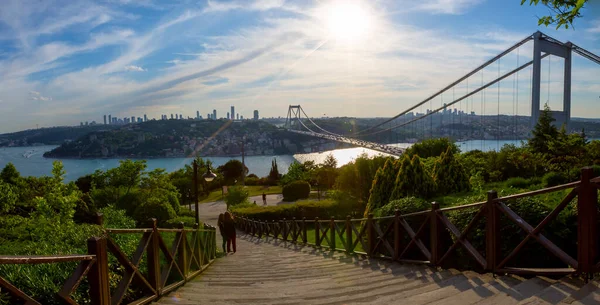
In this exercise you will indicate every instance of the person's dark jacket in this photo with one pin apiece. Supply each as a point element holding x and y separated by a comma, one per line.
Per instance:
<point>229,227</point>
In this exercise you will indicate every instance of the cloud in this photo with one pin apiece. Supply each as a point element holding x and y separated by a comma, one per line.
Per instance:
<point>36,96</point>
<point>451,7</point>
<point>595,27</point>
<point>134,68</point>
<point>256,5</point>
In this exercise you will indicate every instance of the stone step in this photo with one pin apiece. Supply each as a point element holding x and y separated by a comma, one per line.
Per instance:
<point>519,292</point>
<point>497,285</point>
<point>556,293</point>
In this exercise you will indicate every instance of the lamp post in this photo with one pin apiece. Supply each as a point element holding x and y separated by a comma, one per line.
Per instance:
<point>208,177</point>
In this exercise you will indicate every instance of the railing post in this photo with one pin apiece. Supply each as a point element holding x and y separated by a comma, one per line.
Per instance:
<point>274,230</point>
<point>317,233</point>
<point>332,233</point>
<point>153,255</point>
<point>396,234</point>
<point>183,255</point>
<point>492,227</point>
<point>98,274</point>
<point>99,219</point>
<point>348,234</point>
<point>370,236</point>
<point>294,230</point>
<point>304,237</point>
<point>285,230</point>
<point>587,200</point>
<point>434,234</point>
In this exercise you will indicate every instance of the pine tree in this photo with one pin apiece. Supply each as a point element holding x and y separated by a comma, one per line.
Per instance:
<point>382,187</point>
<point>422,182</point>
<point>449,175</point>
<point>543,132</point>
<point>402,178</point>
<point>274,172</point>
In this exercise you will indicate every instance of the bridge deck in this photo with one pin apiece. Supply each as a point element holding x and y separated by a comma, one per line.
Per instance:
<point>274,272</point>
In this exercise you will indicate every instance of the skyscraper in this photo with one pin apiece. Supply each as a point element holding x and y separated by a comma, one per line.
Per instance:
<point>133,119</point>
<point>256,114</point>
<point>237,116</point>
<point>214,116</point>
<point>145,118</point>
<point>197,115</point>
<point>181,116</point>
<point>109,119</point>
<point>232,112</point>
<point>228,115</point>
<point>171,116</point>
<point>105,119</point>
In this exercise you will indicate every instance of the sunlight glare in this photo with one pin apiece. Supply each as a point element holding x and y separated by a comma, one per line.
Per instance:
<point>347,21</point>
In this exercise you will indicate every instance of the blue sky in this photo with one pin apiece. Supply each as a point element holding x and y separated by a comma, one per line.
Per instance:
<point>62,62</point>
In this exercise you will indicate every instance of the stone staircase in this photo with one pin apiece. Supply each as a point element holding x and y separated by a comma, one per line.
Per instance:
<point>274,272</point>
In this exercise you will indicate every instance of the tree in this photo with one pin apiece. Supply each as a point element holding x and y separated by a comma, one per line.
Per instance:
<point>297,171</point>
<point>330,161</point>
<point>274,172</point>
<point>449,175</point>
<point>233,170</point>
<point>383,186</point>
<point>543,132</point>
<point>412,179</point>
<point>10,174</point>
<point>432,148</point>
<point>565,11</point>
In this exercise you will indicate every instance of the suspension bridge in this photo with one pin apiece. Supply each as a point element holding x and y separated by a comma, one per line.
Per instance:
<point>485,104</point>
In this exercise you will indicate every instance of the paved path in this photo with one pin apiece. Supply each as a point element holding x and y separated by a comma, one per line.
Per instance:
<point>274,272</point>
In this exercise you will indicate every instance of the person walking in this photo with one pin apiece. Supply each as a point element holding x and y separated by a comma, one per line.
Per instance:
<point>221,225</point>
<point>229,231</point>
<point>264,198</point>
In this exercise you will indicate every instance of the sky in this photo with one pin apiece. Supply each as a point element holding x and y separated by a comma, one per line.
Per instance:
<point>63,62</point>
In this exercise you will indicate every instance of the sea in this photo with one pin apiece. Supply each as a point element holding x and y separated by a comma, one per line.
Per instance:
<point>29,161</point>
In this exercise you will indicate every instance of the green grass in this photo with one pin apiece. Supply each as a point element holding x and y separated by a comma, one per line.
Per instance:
<point>311,238</point>
<point>255,190</point>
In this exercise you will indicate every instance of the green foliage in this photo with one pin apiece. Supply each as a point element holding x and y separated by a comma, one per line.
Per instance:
<point>405,205</point>
<point>554,179</point>
<point>233,170</point>
<point>8,198</point>
<point>356,178</point>
<point>565,11</point>
<point>413,180</point>
<point>449,175</point>
<point>543,133</point>
<point>330,162</point>
<point>432,148</point>
<point>154,208</point>
<point>296,190</point>
<point>383,185</point>
<point>236,195</point>
<point>187,221</point>
<point>324,209</point>
<point>298,171</point>
<point>116,218</point>
<point>274,172</point>
<point>521,183</point>
<point>10,174</point>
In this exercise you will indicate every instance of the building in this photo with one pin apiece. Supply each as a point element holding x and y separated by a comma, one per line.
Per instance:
<point>171,116</point>
<point>256,114</point>
<point>197,115</point>
<point>214,115</point>
<point>242,117</point>
<point>145,118</point>
<point>208,116</point>
<point>109,119</point>
<point>181,116</point>
<point>237,116</point>
<point>105,119</point>
<point>80,123</point>
<point>133,119</point>
<point>232,113</point>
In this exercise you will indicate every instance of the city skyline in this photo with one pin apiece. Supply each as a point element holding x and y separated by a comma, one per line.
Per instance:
<point>353,58</point>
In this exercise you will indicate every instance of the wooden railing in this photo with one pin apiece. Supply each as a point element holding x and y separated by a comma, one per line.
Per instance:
<point>165,267</point>
<point>430,237</point>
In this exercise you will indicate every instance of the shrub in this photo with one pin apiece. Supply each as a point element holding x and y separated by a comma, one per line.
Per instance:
<point>236,195</point>
<point>296,190</point>
<point>310,209</point>
<point>412,180</point>
<point>553,179</point>
<point>116,218</point>
<point>449,175</point>
<point>153,208</point>
<point>405,205</point>
<point>432,148</point>
<point>186,212</point>
<point>250,181</point>
<point>188,222</point>
<point>518,182</point>
<point>383,185</point>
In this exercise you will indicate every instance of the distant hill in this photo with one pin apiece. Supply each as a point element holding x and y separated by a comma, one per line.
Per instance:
<point>49,136</point>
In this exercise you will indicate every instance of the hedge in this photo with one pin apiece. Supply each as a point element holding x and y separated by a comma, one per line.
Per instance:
<point>296,190</point>
<point>310,209</point>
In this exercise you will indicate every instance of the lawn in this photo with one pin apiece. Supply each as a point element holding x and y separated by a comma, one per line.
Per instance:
<point>255,190</point>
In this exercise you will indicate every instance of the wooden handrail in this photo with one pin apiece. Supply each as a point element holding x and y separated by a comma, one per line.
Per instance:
<point>43,259</point>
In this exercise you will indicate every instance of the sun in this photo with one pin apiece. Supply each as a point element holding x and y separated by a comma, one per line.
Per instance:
<point>347,22</point>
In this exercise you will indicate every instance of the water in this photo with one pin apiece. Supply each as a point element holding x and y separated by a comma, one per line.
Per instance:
<point>37,165</point>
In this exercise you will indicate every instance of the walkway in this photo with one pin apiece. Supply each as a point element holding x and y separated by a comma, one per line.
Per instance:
<point>273,272</point>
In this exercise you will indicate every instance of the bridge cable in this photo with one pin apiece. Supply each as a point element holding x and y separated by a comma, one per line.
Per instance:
<point>498,123</point>
<point>310,120</point>
<point>479,68</point>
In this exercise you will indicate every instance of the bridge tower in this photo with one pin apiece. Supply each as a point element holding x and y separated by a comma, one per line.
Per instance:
<point>292,116</point>
<point>545,44</point>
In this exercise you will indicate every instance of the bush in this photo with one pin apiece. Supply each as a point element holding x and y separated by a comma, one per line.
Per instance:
<point>310,209</point>
<point>519,182</point>
<point>186,212</point>
<point>432,148</point>
<point>236,195</point>
<point>553,179</point>
<point>116,218</point>
<point>153,208</point>
<point>405,205</point>
<point>188,222</point>
<point>296,190</point>
<point>449,175</point>
<point>250,181</point>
